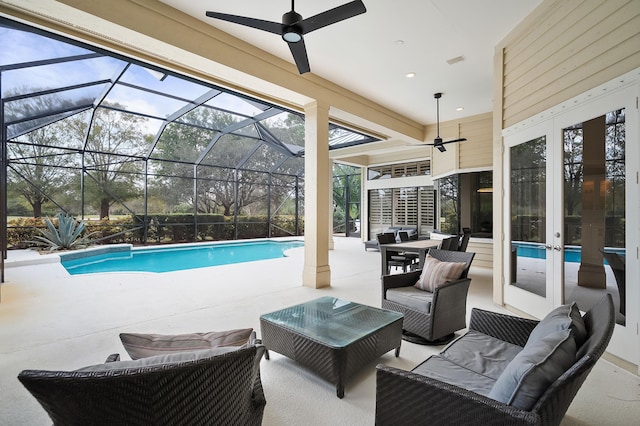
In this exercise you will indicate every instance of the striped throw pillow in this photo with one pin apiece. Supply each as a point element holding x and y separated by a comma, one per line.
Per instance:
<point>140,345</point>
<point>435,273</point>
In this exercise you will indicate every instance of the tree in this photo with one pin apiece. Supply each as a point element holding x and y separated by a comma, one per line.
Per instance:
<point>449,204</point>
<point>179,145</point>
<point>111,174</point>
<point>346,194</point>
<point>528,190</point>
<point>573,170</point>
<point>232,175</point>
<point>36,167</point>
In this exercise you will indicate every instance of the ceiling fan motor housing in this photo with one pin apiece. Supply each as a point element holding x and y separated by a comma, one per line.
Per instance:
<point>291,31</point>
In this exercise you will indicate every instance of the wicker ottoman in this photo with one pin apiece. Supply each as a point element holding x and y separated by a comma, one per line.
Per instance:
<point>332,337</point>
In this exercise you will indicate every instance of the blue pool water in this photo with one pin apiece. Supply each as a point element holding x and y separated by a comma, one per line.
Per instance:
<point>174,258</point>
<point>537,251</point>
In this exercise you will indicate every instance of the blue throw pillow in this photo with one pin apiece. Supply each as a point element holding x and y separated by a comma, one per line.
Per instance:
<point>534,369</point>
<point>561,318</point>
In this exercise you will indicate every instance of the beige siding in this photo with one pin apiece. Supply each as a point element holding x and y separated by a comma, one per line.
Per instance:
<point>475,152</point>
<point>565,48</point>
<point>444,163</point>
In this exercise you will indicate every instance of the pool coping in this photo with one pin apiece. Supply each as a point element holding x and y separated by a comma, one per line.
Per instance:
<point>94,251</point>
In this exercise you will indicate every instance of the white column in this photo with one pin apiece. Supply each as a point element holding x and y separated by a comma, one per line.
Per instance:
<point>316,272</point>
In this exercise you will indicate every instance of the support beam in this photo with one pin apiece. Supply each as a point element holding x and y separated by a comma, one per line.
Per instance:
<point>316,272</point>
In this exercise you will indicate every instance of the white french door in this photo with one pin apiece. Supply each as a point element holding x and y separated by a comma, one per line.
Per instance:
<point>572,209</point>
<point>532,266</point>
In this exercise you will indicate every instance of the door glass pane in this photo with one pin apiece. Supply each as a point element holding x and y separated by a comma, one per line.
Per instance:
<point>594,211</point>
<point>528,215</point>
<point>449,205</point>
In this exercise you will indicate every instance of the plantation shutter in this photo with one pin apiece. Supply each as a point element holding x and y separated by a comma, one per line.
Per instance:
<point>427,209</point>
<point>406,206</point>
<point>380,210</point>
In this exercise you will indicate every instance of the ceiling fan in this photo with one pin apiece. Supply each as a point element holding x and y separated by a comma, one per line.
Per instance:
<point>438,142</point>
<point>293,27</point>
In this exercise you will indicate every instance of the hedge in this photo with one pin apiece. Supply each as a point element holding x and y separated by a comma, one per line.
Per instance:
<point>169,228</point>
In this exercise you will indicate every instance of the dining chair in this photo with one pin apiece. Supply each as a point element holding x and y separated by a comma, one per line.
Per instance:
<point>395,259</point>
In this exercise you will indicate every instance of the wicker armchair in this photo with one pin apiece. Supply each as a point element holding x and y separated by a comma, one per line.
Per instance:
<point>222,389</point>
<point>443,312</point>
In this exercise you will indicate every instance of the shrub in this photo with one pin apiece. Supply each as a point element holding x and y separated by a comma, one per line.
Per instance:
<point>68,234</point>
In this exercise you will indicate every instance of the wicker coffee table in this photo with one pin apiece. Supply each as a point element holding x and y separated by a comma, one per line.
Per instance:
<point>332,337</point>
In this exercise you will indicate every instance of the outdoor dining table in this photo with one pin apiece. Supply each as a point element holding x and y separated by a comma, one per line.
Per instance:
<point>414,246</point>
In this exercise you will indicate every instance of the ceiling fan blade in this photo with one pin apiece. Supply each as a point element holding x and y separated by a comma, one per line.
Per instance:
<point>259,24</point>
<point>453,140</point>
<point>299,52</point>
<point>331,16</point>
<point>438,143</point>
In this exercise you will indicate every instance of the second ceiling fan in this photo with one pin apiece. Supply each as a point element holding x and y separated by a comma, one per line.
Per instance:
<point>438,142</point>
<point>293,27</point>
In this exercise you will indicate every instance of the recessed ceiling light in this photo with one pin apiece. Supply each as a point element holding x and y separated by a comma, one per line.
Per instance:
<point>399,42</point>
<point>411,74</point>
<point>460,109</point>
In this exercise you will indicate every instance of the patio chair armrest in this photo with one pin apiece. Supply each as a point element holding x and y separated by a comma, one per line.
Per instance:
<point>452,293</point>
<point>508,328</point>
<point>406,398</point>
<point>449,307</point>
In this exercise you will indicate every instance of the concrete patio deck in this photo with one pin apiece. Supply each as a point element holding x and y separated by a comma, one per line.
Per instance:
<point>52,320</point>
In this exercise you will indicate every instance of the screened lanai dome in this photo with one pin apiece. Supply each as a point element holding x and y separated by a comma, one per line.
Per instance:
<point>94,133</point>
<point>46,78</point>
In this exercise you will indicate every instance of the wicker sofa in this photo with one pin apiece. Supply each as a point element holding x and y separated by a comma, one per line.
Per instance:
<point>505,371</point>
<point>202,387</point>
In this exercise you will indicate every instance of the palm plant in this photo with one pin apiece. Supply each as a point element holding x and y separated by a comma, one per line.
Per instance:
<point>66,236</point>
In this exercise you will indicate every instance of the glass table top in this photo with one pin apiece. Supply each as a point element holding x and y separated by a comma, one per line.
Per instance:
<point>332,321</point>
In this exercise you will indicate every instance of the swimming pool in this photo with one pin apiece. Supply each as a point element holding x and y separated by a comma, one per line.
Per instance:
<point>537,251</point>
<point>123,258</point>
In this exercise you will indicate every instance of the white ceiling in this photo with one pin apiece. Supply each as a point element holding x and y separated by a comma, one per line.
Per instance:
<point>363,54</point>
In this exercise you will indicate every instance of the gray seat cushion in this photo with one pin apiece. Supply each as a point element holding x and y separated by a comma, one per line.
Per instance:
<point>474,362</point>
<point>440,368</point>
<point>411,297</point>
<point>482,354</point>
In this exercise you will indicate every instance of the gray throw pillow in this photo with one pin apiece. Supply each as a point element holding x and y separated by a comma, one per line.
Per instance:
<point>165,359</point>
<point>534,369</point>
<point>561,318</point>
<point>140,345</point>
